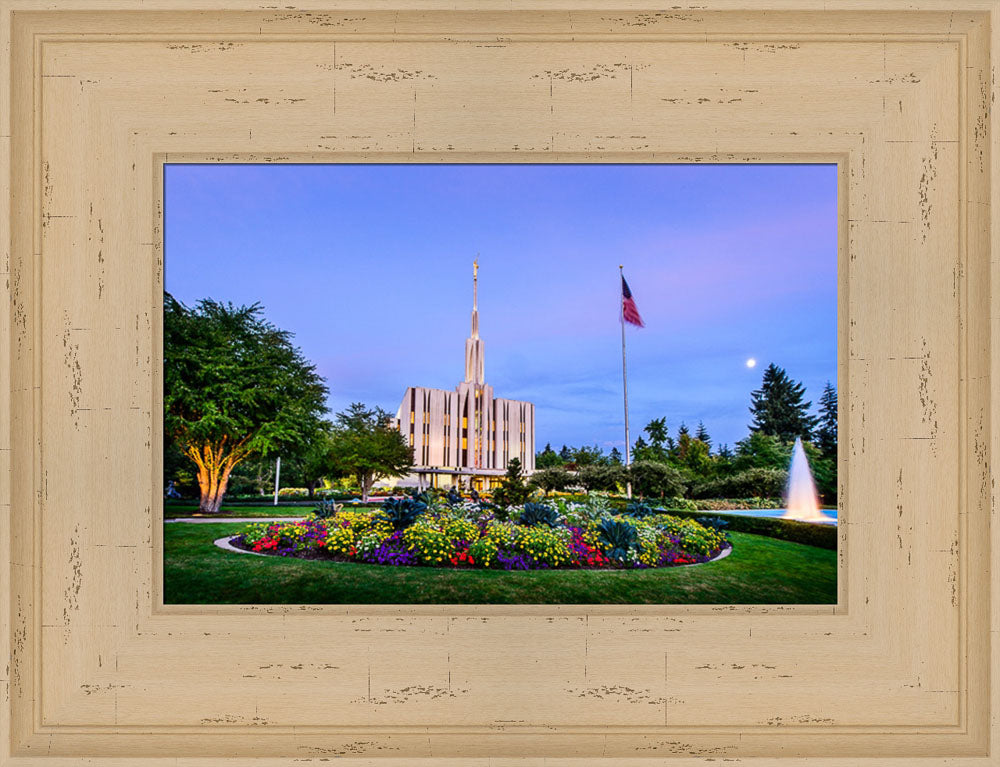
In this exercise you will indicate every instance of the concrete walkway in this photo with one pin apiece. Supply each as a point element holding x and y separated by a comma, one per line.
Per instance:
<point>224,543</point>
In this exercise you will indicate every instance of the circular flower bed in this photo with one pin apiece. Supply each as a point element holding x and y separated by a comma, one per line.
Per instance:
<point>466,535</point>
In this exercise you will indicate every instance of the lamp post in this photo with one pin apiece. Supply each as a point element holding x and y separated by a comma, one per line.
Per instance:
<point>277,478</point>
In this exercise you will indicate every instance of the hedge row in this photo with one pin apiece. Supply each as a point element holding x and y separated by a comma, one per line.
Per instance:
<point>809,533</point>
<point>759,483</point>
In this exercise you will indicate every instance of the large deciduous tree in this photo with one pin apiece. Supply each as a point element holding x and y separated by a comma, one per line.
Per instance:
<point>779,409</point>
<point>318,461</point>
<point>366,445</point>
<point>234,386</point>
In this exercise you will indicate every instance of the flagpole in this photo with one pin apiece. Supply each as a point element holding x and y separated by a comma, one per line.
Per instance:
<point>621,312</point>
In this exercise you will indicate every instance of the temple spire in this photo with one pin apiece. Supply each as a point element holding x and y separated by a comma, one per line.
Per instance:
<point>474,368</point>
<point>475,298</point>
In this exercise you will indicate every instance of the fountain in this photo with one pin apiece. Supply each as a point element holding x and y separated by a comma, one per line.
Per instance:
<point>802,500</point>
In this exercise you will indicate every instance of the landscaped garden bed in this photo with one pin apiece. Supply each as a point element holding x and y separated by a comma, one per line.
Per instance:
<point>466,535</point>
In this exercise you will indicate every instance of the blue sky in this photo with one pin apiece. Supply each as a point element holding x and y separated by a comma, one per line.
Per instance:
<point>370,266</point>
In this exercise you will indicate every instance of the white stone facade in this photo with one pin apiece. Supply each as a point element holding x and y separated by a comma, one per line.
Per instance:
<point>465,437</point>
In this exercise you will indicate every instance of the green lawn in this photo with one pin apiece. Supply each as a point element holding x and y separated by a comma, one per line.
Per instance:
<point>758,571</point>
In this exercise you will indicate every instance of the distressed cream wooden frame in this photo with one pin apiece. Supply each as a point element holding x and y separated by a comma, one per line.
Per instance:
<point>98,94</point>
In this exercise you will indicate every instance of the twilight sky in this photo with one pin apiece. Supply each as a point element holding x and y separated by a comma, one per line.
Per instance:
<point>370,266</point>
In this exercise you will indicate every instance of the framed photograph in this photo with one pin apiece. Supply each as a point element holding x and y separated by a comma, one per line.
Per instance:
<point>290,432</point>
<point>465,383</point>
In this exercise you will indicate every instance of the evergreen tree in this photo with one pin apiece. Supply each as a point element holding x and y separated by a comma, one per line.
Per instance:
<point>723,460</point>
<point>702,434</point>
<point>512,491</point>
<point>548,458</point>
<point>639,449</point>
<point>657,431</point>
<point>826,430</point>
<point>762,451</point>
<point>615,456</point>
<point>589,456</point>
<point>679,448</point>
<point>566,454</point>
<point>778,408</point>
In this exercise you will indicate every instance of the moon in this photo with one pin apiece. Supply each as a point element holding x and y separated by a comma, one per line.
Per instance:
<point>751,363</point>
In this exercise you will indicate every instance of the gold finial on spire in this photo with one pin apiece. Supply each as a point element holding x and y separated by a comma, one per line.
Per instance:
<point>475,297</point>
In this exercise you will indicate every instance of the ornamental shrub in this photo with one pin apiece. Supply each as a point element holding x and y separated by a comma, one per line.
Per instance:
<point>638,510</point>
<point>403,512</point>
<point>602,478</point>
<point>538,514</point>
<point>327,508</point>
<point>656,480</point>
<point>810,534</point>
<point>616,537</point>
<point>761,482</point>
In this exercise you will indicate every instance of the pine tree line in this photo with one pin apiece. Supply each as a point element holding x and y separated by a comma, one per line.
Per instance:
<point>780,413</point>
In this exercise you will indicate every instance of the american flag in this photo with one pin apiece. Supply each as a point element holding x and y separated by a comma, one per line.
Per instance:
<point>629,312</point>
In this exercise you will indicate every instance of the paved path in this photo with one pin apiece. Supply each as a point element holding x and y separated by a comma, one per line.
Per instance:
<point>224,543</point>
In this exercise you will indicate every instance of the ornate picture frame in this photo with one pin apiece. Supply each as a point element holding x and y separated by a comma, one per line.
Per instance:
<point>98,96</point>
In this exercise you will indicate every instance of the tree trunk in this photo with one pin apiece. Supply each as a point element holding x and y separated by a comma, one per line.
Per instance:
<point>214,468</point>
<point>311,489</point>
<point>211,500</point>
<point>209,504</point>
<point>366,486</point>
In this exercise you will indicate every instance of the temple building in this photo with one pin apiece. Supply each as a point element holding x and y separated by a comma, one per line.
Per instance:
<point>465,437</point>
